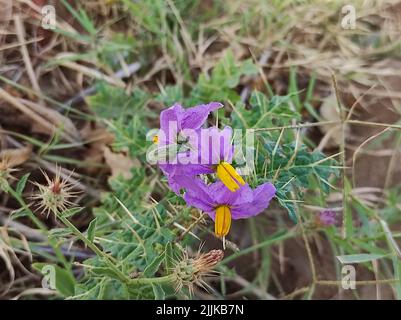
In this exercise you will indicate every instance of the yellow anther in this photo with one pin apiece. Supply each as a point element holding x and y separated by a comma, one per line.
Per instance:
<point>222,221</point>
<point>227,174</point>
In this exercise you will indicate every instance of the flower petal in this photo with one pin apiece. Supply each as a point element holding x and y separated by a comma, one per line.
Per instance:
<point>193,169</point>
<point>174,183</point>
<point>197,193</point>
<point>194,118</point>
<point>261,198</point>
<point>222,195</point>
<point>215,145</point>
<point>170,122</point>
<point>226,147</point>
<point>198,202</point>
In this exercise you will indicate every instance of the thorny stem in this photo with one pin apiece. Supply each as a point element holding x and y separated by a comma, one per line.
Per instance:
<point>61,257</point>
<point>158,280</point>
<point>41,226</point>
<point>138,281</point>
<point>94,248</point>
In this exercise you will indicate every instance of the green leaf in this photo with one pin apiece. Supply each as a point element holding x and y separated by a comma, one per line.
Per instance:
<point>397,275</point>
<point>293,169</point>
<point>82,18</point>
<point>104,271</point>
<point>349,228</point>
<point>293,88</point>
<point>170,95</point>
<point>19,213</point>
<point>359,258</point>
<point>224,78</point>
<point>64,281</point>
<point>158,291</point>
<point>264,112</point>
<point>59,232</point>
<point>21,183</point>
<point>169,257</point>
<point>71,212</point>
<point>288,205</point>
<point>111,102</point>
<point>152,268</point>
<point>90,232</point>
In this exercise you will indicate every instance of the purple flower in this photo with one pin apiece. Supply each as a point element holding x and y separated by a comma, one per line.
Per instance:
<point>217,151</point>
<point>326,218</point>
<point>222,205</point>
<point>176,119</point>
<point>213,154</point>
<point>195,151</point>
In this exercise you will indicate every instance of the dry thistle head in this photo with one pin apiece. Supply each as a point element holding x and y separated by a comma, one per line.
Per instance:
<point>56,195</point>
<point>190,271</point>
<point>5,173</point>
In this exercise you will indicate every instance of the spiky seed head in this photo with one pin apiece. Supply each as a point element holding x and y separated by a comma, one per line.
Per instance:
<point>5,173</point>
<point>190,271</point>
<point>56,195</point>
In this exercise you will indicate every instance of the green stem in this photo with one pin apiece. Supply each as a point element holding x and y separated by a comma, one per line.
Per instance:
<point>140,281</point>
<point>158,280</point>
<point>59,254</point>
<point>93,247</point>
<point>32,216</point>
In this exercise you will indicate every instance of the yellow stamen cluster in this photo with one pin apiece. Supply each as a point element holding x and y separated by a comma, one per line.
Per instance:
<point>227,174</point>
<point>232,180</point>
<point>222,221</point>
<point>155,139</point>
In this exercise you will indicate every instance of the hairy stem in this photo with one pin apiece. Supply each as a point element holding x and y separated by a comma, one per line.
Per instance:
<point>59,254</point>
<point>93,247</point>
